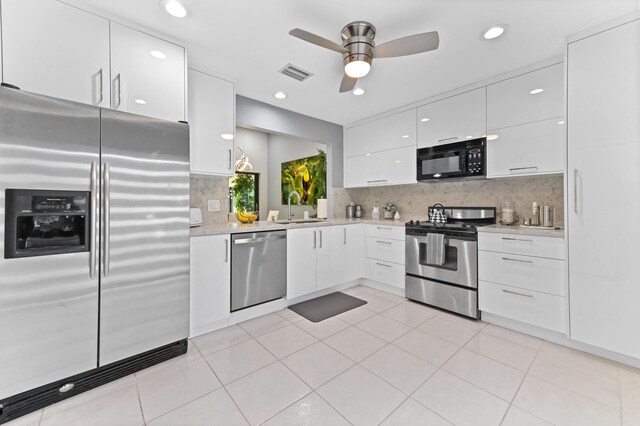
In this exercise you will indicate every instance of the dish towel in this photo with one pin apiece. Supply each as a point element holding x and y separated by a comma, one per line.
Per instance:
<point>435,249</point>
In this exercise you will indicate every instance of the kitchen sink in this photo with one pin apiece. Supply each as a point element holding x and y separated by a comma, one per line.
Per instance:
<point>284,222</point>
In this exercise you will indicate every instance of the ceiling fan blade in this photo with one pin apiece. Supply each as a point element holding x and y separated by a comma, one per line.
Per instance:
<point>348,83</point>
<point>410,45</point>
<point>317,40</point>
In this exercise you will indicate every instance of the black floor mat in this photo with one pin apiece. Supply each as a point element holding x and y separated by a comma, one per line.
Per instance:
<point>327,306</point>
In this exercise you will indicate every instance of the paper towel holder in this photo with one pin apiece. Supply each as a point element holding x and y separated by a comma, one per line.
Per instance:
<point>321,211</point>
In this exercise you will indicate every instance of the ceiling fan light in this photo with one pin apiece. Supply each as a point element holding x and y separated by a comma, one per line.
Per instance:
<point>357,69</point>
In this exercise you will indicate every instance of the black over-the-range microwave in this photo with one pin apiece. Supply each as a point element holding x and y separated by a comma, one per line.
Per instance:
<point>453,160</point>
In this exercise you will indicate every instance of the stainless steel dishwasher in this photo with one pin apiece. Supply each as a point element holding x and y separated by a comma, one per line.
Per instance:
<point>258,268</point>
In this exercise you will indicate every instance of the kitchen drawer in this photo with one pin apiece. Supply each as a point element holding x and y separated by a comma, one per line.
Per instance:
<point>385,249</point>
<point>385,272</point>
<point>532,273</point>
<point>529,245</point>
<point>385,231</point>
<point>531,307</point>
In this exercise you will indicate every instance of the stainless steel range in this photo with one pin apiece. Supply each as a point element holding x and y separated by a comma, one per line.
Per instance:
<point>442,259</point>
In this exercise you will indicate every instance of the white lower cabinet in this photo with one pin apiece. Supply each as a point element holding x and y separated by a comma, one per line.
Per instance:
<point>385,255</point>
<point>531,307</point>
<point>523,278</point>
<point>210,283</point>
<point>322,257</point>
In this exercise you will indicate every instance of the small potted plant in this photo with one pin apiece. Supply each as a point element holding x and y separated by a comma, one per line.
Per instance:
<point>389,210</point>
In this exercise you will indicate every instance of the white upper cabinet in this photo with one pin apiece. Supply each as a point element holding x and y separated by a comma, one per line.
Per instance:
<point>533,148</point>
<point>453,119</point>
<point>212,124</point>
<point>534,96</point>
<point>525,116</point>
<point>56,50</point>
<point>147,74</point>
<point>394,131</point>
<point>392,167</point>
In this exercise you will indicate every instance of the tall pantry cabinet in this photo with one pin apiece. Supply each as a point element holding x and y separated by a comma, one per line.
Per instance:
<point>603,177</point>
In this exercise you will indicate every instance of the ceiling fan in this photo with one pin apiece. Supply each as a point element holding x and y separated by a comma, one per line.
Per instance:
<point>358,48</point>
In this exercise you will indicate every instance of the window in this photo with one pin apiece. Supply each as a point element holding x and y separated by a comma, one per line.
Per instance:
<point>244,194</point>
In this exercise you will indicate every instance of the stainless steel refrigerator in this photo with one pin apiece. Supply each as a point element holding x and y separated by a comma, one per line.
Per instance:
<point>94,217</point>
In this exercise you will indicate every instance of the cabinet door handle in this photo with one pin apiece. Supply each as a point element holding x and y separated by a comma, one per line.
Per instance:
<point>384,242</point>
<point>516,293</point>
<point>517,239</point>
<point>575,191</point>
<point>101,86</point>
<point>229,159</point>
<point>226,251</point>
<point>519,169</point>
<point>517,260</point>
<point>344,230</point>
<point>377,181</point>
<point>314,240</point>
<point>382,264</point>
<point>453,138</point>
<point>382,227</point>
<point>119,91</point>
<point>320,239</point>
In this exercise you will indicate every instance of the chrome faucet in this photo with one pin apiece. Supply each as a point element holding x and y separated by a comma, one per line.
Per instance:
<point>289,201</point>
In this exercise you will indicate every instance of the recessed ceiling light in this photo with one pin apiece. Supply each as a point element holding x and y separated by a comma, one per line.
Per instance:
<point>493,32</point>
<point>280,95</point>
<point>368,154</point>
<point>227,136</point>
<point>358,91</point>
<point>175,8</point>
<point>398,161</point>
<point>536,91</point>
<point>424,120</point>
<point>405,136</point>
<point>561,122</point>
<point>492,137</point>
<point>158,54</point>
<point>140,101</point>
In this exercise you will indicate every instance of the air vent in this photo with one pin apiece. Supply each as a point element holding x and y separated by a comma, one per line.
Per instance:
<point>295,72</point>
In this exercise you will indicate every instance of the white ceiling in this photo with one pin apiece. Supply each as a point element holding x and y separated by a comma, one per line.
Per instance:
<point>248,40</point>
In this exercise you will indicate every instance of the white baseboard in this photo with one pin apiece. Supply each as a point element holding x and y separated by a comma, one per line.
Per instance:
<point>383,287</point>
<point>207,328</point>
<point>559,338</point>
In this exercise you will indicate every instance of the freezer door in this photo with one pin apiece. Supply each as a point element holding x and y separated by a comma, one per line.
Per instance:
<point>48,303</point>
<point>144,290</point>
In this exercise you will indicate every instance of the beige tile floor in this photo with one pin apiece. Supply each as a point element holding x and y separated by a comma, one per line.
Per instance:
<point>390,362</point>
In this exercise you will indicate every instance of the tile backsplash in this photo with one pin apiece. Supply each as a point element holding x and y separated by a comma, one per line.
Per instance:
<point>204,188</point>
<point>412,200</point>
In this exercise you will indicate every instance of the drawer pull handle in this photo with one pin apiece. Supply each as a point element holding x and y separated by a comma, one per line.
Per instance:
<point>453,138</point>
<point>377,181</point>
<point>517,294</point>
<point>382,227</point>
<point>382,264</point>
<point>517,239</point>
<point>517,260</point>
<point>384,242</point>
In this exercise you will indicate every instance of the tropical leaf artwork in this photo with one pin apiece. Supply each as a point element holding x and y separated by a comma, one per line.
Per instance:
<point>308,177</point>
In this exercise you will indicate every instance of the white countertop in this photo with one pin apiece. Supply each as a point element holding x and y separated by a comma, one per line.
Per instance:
<point>504,229</point>
<point>263,225</point>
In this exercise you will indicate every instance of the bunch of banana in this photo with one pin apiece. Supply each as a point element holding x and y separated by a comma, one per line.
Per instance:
<point>245,217</point>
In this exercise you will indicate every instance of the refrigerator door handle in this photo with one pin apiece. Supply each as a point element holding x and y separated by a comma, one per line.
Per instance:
<point>93,252</point>
<point>106,214</point>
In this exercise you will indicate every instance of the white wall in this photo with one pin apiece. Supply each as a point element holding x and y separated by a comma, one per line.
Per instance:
<point>286,148</point>
<point>255,146</point>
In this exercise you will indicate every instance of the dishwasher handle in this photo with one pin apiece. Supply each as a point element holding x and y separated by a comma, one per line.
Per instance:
<point>259,240</point>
